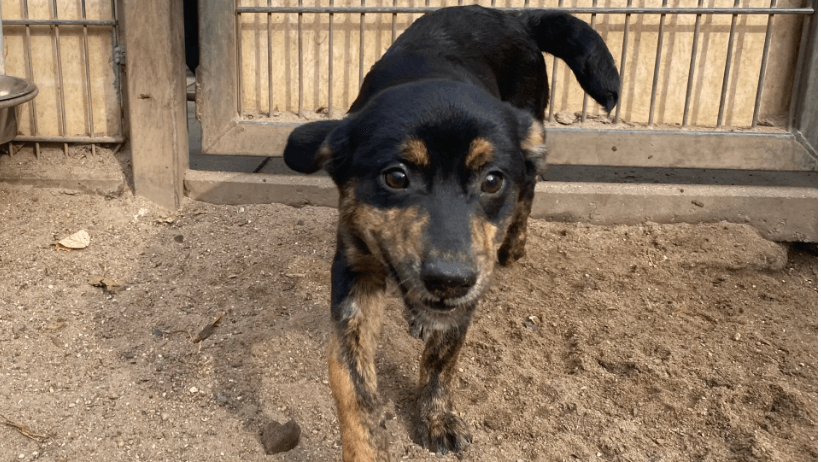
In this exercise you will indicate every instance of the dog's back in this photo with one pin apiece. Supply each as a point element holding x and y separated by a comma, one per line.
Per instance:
<point>500,52</point>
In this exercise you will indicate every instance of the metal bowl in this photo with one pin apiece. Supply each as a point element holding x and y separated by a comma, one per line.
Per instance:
<point>14,91</point>
<point>14,87</point>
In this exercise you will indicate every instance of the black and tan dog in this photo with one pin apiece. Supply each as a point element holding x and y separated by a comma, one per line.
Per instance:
<point>436,166</point>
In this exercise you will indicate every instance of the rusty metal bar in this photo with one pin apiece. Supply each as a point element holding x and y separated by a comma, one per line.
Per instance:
<point>299,55</point>
<point>393,23</point>
<point>59,22</point>
<point>331,62</point>
<point>656,67</point>
<point>116,43</point>
<point>573,10</point>
<point>60,84</point>
<point>239,65</point>
<point>585,97</point>
<point>362,45</point>
<point>727,64</point>
<point>764,58</point>
<point>30,76</point>
<point>551,108</point>
<point>799,70</point>
<point>70,139</point>
<point>88,79</point>
<point>270,67</point>
<point>692,69</point>
<point>623,62</point>
<point>761,73</point>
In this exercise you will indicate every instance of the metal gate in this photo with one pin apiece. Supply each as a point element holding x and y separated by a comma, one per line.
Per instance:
<point>659,129</point>
<point>71,50</point>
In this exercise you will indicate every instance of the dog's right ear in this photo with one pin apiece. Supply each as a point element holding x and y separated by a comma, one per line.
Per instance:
<point>307,150</point>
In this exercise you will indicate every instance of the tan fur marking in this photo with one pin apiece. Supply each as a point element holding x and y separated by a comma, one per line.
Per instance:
<point>535,146</point>
<point>535,137</point>
<point>355,437</point>
<point>415,152</point>
<point>480,153</point>
<point>396,231</point>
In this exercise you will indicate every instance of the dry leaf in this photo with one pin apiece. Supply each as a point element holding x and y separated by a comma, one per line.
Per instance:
<point>78,240</point>
<point>208,330</point>
<point>107,284</point>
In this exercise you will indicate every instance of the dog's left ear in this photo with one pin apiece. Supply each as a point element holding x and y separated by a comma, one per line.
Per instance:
<point>533,144</point>
<point>305,151</point>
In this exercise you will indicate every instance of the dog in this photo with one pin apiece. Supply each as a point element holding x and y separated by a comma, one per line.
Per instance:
<point>436,165</point>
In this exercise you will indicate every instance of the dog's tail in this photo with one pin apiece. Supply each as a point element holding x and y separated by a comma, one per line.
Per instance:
<point>581,47</point>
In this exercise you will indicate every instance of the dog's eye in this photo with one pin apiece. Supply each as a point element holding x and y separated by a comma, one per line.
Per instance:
<point>396,179</point>
<point>492,183</point>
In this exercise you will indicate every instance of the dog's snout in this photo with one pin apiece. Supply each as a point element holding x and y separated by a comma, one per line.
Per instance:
<point>448,279</point>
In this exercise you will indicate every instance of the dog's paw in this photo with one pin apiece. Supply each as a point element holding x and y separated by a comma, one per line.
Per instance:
<point>509,255</point>
<point>417,330</point>
<point>445,433</point>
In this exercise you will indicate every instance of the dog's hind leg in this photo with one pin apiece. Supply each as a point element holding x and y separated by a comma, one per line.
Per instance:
<point>440,428</point>
<point>513,247</point>
<point>357,303</point>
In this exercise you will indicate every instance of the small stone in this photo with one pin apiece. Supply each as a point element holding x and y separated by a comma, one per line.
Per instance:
<point>193,389</point>
<point>164,416</point>
<point>737,337</point>
<point>221,399</point>
<point>565,118</point>
<point>278,438</point>
<point>179,238</point>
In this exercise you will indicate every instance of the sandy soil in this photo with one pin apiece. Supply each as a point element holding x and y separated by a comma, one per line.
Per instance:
<point>640,343</point>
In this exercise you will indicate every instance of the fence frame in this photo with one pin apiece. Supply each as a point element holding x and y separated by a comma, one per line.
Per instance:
<point>219,104</point>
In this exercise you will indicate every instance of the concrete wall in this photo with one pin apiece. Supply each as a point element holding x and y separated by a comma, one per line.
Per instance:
<point>643,37</point>
<point>104,94</point>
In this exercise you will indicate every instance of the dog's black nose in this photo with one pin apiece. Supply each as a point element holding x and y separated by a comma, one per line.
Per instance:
<point>447,279</point>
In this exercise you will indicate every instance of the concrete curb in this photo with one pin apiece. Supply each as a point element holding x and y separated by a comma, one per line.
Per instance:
<point>779,213</point>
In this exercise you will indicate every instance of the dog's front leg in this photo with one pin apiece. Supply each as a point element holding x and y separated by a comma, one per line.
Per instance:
<point>357,302</point>
<point>441,429</point>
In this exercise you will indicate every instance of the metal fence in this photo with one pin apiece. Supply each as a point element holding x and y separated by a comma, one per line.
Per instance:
<point>55,23</point>
<point>627,12</point>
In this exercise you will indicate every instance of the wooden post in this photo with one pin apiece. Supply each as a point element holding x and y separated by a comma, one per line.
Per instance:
<point>156,99</point>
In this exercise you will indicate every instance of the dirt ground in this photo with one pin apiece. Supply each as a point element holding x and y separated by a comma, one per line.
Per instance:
<point>624,343</point>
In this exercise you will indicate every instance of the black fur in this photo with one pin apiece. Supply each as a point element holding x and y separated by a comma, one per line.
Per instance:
<point>436,165</point>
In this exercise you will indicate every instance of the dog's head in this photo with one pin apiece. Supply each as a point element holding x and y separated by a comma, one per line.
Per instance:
<point>429,176</point>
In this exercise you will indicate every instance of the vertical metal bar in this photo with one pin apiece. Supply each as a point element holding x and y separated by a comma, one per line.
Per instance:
<point>623,62</point>
<point>584,98</point>
<point>240,103</point>
<point>727,63</point>
<point>115,38</point>
<point>299,55</point>
<point>692,68</point>
<point>2,54</point>
<point>361,46</point>
<point>331,62</point>
<point>60,84</point>
<point>659,46</point>
<point>393,25</point>
<point>799,69</point>
<point>551,106</point>
<point>761,73</point>
<point>30,76</point>
<point>270,68</point>
<point>88,80</point>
